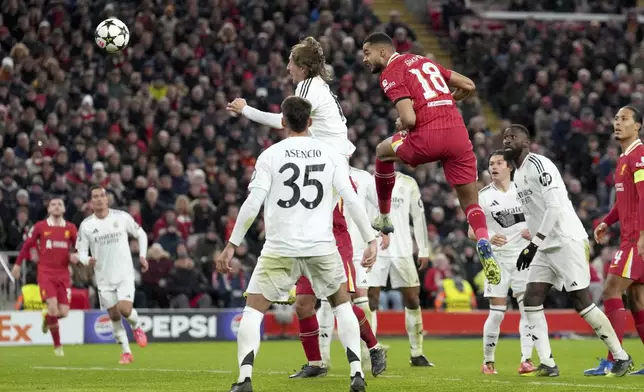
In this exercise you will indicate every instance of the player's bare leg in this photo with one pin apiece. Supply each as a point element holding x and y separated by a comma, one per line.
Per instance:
<point>309,336</point>
<point>414,325</point>
<point>468,197</point>
<point>601,325</point>
<point>349,334</point>
<point>132,316</point>
<point>120,335</point>
<point>50,324</point>
<point>537,330</point>
<point>636,296</point>
<point>616,313</point>
<point>385,178</point>
<point>248,340</point>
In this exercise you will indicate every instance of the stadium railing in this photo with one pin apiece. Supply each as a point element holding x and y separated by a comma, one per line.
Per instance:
<point>9,292</point>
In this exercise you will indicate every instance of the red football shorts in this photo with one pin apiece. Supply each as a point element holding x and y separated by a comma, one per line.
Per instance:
<point>53,287</point>
<point>343,241</point>
<point>452,147</point>
<point>628,264</point>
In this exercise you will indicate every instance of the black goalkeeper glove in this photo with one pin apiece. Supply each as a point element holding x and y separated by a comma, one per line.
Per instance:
<point>526,256</point>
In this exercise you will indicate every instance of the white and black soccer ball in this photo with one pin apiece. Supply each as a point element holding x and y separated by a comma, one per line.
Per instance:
<point>112,35</point>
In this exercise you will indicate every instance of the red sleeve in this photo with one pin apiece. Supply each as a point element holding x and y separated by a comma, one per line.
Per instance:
<point>30,242</point>
<point>73,234</point>
<point>612,217</point>
<point>636,163</point>
<point>393,85</point>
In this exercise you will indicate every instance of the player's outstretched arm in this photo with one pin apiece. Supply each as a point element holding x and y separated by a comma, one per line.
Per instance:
<point>342,185</point>
<point>240,107</point>
<point>30,242</point>
<point>247,214</point>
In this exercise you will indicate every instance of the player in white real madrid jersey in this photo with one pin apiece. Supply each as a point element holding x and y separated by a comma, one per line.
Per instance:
<point>396,262</point>
<point>557,254</point>
<point>105,235</point>
<point>295,180</point>
<point>508,235</point>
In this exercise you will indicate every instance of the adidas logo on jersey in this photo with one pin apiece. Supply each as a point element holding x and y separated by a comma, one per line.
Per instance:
<point>494,203</point>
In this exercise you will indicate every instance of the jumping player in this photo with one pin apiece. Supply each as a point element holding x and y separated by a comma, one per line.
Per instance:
<point>509,235</point>
<point>558,253</point>
<point>307,68</point>
<point>295,180</point>
<point>55,239</point>
<point>430,129</point>
<point>626,272</point>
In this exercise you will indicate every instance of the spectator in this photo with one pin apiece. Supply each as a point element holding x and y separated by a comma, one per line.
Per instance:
<point>160,265</point>
<point>187,286</point>
<point>230,287</point>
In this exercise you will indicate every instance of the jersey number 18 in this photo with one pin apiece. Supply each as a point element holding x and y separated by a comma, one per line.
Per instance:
<point>290,182</point>
<point>430,75</point>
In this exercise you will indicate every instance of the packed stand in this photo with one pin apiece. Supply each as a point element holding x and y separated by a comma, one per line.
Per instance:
<point>149,124</point>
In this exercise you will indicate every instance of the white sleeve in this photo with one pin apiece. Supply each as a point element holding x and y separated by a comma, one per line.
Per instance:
<point>372,195</point>
<point>342,185</point>
<point>309,91</point>
<point>417,210</point>
<point>247,214</point>
<point>486,210</point>
<point>546,178</point>
<point>82,244</point>
<point>262,177</point>
<point>273,120</point>
<point>137,232</point>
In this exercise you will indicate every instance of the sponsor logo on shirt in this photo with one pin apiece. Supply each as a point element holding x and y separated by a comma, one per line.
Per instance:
<point>386,86</point>
<point>640,163</point>
<point>619,187</point>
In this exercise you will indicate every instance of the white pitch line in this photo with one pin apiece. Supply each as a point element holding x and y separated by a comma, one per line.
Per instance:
<point>102,369</point>
<point>540,383</point>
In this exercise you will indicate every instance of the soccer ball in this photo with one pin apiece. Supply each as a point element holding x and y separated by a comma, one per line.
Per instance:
<point>112,35</point>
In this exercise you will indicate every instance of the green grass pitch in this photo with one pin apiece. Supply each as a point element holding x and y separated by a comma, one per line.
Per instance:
<point>194,367</point>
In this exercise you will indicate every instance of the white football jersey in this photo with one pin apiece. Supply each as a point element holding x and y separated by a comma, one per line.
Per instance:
<point>406,201</point>
<point>300,175</point>
<point>536,176</point>
<point>504,215</point>
<point>327,120</point>
<point>107,240</point>
<point>366,186</point>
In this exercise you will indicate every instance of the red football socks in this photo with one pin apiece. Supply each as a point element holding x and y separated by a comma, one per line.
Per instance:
<point>366,334</point>
<point>52,323</point>
<point>614,309</point>
<point>385,181</point>
<point>309,336</point>
<point>639,323</point>
<point>476,219</point>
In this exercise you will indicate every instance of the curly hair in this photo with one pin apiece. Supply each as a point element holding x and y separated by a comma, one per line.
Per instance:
<point>309,55</point>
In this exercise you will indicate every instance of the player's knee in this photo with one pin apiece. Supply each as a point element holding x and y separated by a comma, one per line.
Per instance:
<point>62,313</point>
<point>580,299</point>
<point>374,301</point>
<point>610,291</point>
<point>532,299</point>
<point>125,308</point>
<point>304,309</point>
<point>411,301</point>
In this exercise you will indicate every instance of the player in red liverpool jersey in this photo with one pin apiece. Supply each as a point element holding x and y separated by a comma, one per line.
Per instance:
<point>430,128</point>
<point>626,272</point>
<point>55,239</point>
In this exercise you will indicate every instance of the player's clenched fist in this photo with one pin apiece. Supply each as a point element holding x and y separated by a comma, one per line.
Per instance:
<point>236,106</point>
<point>369,256</point>
<point>600,233</point>
<point>498,240</point>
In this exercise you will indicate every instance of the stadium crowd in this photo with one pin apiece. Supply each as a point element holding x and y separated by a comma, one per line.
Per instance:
<point>150,125</point>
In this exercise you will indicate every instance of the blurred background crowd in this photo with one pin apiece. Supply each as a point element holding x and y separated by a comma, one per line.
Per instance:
<point>149,124</point>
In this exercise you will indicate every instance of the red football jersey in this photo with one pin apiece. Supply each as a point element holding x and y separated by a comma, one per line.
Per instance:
<point>54,244</point>
<point>425,82</point>
<point>339,222</point>
<point>629,171</point>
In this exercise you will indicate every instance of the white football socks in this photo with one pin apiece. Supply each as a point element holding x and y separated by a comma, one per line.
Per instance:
<point>133,319</point>
<point>527,344</point>
<point>414,326</point>
<point>491,331</point>
<point>604,330</point>
<point>327,323</point>
<point>374,321</point>
<point>248,339</point>
<point>121,336</point>
<point>538,333</point>
<point>349,334</point>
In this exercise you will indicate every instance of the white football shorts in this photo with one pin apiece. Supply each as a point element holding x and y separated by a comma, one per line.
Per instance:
<point>511,278</point>
<point>565,266</point>
<point>401,271</point>
<point>274,276</point>
<point>109,295</point>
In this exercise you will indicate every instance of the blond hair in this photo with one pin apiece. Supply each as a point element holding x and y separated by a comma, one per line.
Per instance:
<point>186,200</point>
<point>309,55</point>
